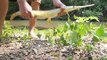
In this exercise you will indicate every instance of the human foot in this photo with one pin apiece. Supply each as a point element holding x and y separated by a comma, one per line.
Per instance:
<point>33,35</point>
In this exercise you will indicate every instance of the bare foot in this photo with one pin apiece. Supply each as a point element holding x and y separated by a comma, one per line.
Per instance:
<point>33,35</point>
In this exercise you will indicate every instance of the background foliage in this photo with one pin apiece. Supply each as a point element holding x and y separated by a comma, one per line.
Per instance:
<point>99,10</point>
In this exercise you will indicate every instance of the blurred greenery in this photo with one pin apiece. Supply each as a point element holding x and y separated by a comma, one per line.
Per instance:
<point>13,7</point>
<point>99,10</point>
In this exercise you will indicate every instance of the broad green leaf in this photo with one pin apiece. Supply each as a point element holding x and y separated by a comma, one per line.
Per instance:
<point>89,47</point>
<point>74,36</point>
<point>67,25</point>
<point>73,26</point>
<point>52,40</point>
<point>69,20</point>
<point>104,58</point>
<point>93,17</point>
<point>67,35</point>
<point>96,38</point>
<point>79,43</point>
<point>100,31</point>
<point>62,41</point>
<point>82,30</point>
<point>70,58</point>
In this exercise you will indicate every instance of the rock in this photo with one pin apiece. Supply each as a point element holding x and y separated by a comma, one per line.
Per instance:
<point>35,51</point>
<point>25,52</point>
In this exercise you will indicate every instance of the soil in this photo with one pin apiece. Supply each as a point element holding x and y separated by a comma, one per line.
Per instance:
<point>43,50</point>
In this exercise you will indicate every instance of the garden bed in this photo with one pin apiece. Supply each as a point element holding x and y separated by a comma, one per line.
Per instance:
<point>66,42</point>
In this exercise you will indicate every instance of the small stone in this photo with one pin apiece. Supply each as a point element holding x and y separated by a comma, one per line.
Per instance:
<point>35,51</point>
<point>64,50</point>
<point>11,48</point>
<point>24,52</point>
<point>39,45</point>
<point>48,44</point>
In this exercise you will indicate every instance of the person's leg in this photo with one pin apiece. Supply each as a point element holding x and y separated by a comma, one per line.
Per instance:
<point>35,6</point>
<point>3,12</point>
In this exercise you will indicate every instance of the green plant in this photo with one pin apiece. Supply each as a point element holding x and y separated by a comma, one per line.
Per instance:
<point>89,47</point>
<point>85,19</point>
<point>7,30</point>
<point>70,33</point>
<point>69,58</point>
<point>104,58</point>
<point>98,34</point>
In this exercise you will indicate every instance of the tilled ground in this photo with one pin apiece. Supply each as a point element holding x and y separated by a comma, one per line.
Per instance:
<point>42,50</point>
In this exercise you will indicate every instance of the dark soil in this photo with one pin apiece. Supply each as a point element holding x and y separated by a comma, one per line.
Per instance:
<point>42,50</point>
